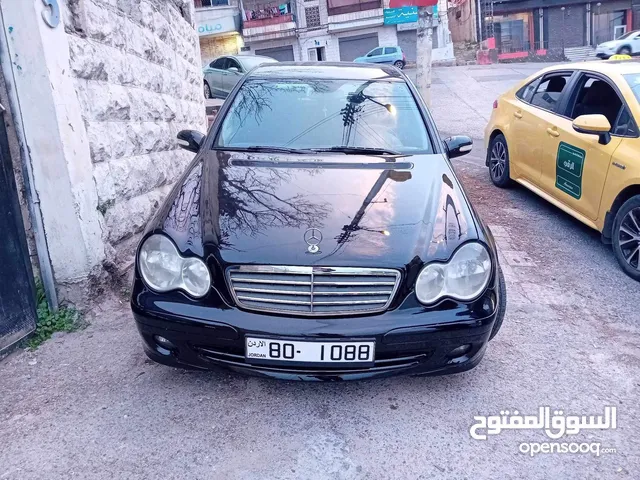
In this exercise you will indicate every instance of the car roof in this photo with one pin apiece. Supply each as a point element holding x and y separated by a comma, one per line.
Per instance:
<point>620,67</point>
<point>327,70</point>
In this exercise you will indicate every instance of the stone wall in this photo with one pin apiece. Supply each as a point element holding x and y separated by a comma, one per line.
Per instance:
<point>137,71</point>
<point>213,47</point>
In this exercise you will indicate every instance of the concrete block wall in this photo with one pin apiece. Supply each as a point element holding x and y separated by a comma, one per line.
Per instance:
<point>137,72</point>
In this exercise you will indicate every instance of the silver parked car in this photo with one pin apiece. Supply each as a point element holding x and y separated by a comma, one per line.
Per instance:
<point>221,75</point>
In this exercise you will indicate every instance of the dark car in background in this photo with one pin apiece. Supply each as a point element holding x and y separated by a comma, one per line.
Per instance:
<point>320,233</point>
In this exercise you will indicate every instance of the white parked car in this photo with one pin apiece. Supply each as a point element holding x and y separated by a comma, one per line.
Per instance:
<point>627,44</point>
<point>221,75</point>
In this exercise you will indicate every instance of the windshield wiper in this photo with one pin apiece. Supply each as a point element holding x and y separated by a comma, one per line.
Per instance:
<point>267,149</point>
<point>358,150</point>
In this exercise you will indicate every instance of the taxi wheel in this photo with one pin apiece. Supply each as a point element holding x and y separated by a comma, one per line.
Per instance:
<point>502,305</point>
<point>499,162</point>
<point>626,237</point>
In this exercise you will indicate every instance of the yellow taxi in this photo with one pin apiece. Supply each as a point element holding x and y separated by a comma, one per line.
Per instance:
<point>570,134</point>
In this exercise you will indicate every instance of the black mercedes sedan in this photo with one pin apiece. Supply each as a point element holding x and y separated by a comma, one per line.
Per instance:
<point>320,233</point>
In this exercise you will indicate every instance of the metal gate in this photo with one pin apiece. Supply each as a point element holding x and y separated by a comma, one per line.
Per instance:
<point>282,54</point>
<point>356,46</point>
<point>17,292</point>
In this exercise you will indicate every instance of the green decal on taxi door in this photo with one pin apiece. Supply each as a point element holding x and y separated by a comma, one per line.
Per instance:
<point>569,167</point>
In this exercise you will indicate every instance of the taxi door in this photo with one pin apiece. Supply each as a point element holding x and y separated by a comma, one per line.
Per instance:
<point>575,165</point>
<point>531,116</point>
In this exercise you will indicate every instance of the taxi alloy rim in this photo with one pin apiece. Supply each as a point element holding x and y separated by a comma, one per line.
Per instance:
<point>629,238</point>
<point>498,160</point>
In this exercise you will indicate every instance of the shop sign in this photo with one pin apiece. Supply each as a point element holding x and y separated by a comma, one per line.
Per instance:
<point>394,16</point>
<point>217,26</point>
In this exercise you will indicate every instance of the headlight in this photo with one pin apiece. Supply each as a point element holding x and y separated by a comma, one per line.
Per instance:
<point>464,277</point>
<point>163,269</point>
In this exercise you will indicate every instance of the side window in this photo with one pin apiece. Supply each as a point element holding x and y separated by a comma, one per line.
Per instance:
<point>219,63</point>
<point>596,96</point>
<point>389,50</point>
<point>232,63</point>
<point>550,90</point>
<point>377,51</point>
<point>526,92</point>
<point>625,126</point>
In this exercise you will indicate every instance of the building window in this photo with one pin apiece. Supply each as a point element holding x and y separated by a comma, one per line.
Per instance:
<point>312,15</point>
<point>338,7</point>
<point>512,32</point>
<point>210,3</point>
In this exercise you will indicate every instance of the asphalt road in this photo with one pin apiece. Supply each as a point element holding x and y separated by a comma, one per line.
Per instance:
<point>88,405</point>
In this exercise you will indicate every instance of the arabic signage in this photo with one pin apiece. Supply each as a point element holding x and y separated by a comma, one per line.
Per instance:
<point>412,3</point>
<point>394,16</point>
<point>569,166</point>
<point>219,25</point>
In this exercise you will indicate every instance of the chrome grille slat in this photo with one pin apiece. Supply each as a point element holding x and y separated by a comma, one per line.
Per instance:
<point>312,291</point>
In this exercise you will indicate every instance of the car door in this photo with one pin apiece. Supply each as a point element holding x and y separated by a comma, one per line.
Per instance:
<point>231,74</point>
<point>389,54</point>
<point>213,76</point>
<point>375,55</point>
<point>538,102</point>
<point>575,165</point>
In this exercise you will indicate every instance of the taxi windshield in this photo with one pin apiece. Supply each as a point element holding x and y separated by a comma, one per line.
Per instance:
<point>633,80</point>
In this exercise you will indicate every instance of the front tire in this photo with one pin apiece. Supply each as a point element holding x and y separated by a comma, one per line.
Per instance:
<point>499,162</point>
<point>207,90</point>
<point>624,51</point>
<point>626,237</point>
<point>399,64</point>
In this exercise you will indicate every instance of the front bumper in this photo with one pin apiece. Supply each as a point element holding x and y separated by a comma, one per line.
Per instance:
<point>409,340</point>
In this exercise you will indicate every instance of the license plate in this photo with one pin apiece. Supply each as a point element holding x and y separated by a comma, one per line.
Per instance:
<point>273,350</point>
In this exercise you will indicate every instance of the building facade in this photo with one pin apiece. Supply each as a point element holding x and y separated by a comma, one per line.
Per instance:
<point>517,27</point>
<point>314,30</point>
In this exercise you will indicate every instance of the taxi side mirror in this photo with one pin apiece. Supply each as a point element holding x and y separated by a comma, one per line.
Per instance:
<point>458,145</point>
<point>594,125</point>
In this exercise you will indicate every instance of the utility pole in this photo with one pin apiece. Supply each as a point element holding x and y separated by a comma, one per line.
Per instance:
<point>424,43</point>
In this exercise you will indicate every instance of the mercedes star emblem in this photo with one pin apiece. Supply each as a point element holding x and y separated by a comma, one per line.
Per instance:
<point>313,237</point>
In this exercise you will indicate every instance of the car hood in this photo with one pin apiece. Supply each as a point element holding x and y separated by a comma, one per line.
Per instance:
<point>365,210</point>
<point>612,43</point>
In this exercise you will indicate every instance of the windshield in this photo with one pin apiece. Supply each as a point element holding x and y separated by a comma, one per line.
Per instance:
<point>634,82</point>
<point>319,114</point>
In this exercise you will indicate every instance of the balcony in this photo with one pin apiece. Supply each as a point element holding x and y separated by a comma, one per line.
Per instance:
<point>341,7</point>
<point>269,22</point>
<point>371,15</point>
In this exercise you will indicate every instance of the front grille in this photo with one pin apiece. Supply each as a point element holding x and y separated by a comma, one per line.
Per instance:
<point>313,290</point>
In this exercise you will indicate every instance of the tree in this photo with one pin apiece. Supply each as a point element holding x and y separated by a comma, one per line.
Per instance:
<point>424,42</point>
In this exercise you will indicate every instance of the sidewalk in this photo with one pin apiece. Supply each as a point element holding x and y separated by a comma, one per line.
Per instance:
<point>462,97</point>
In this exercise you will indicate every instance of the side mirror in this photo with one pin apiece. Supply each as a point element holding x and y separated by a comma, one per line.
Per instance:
<point>458,145</point>
<point>233,69</point>
<point>190,140</point>
<point>594,125</point>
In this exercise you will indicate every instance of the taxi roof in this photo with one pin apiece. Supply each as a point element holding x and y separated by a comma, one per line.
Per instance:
<point>610,67</point>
